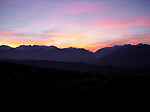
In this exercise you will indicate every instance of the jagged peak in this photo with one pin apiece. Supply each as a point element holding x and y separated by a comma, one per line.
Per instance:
<point>70,48</point>
<point>5,47</point>
<point>122,46</point>
<point>31,47</point>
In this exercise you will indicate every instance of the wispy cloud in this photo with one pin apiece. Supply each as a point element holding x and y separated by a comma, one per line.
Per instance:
<point>42,38</point>
<point>119,23</point>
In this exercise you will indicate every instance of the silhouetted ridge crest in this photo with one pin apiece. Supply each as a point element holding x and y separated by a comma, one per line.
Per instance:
<point>36,47</point>
<point>124,56</point>
<point>119,55</point>
<point>71,48</point>
<point>50,53</point>
<point>5,47</point>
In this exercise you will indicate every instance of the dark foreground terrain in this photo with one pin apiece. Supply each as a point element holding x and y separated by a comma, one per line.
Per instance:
<point>28,88</point>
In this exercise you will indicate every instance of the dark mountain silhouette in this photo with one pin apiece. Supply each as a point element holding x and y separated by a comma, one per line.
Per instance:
<point>50,53</point>
<point>106,50</point>
<point>119,56</point>
<point>125,56</point>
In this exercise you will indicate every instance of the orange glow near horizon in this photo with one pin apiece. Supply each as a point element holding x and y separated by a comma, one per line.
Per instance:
<point>89,46</point>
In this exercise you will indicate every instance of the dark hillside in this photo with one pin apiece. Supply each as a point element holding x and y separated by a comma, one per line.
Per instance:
<point>29,88</point>
<point>130,57</point>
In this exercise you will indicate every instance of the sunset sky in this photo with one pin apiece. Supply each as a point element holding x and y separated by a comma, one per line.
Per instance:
<point>90,24</point>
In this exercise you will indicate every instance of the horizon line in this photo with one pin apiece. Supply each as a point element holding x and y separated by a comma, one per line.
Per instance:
<point>71,46</point>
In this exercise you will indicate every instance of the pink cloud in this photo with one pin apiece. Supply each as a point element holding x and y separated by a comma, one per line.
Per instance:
<point>18,35</point>
<point>107,23</point>
<point>8,32</point>
<point>118,23</point>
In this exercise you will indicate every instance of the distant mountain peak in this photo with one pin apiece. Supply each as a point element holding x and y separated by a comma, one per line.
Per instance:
<point>5,47</point>
<point>124,56</point>
<point>125,45</point>
<point>32,47</point>
<point>51,53</point>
